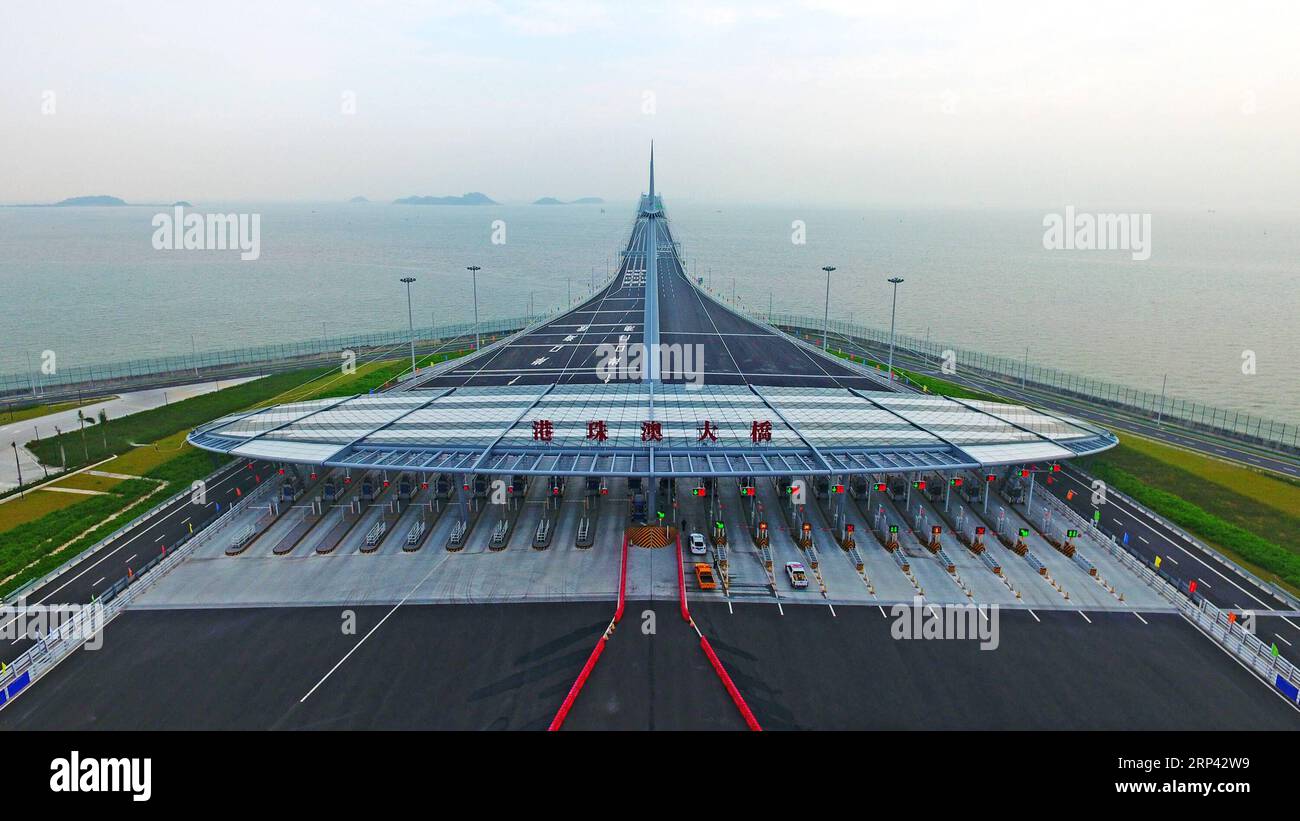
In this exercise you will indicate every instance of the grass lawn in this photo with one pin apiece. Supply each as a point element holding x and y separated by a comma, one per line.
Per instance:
<point>85,481</point>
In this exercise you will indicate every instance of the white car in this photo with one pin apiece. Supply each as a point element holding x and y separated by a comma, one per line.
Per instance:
<point>795,572</point>
<point>698,547</point>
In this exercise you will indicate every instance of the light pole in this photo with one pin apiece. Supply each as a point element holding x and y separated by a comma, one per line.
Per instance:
<point>410,318</point>
<point>474,269</point>
<point>895,281</point>
<point>19,465</point>
<point>1161,414</point>
<point>826,317</point>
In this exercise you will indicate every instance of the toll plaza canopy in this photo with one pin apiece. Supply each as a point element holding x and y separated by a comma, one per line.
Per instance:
<point>652,429</point>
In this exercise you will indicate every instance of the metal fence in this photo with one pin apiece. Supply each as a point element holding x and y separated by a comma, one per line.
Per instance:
<point>1234,423</point>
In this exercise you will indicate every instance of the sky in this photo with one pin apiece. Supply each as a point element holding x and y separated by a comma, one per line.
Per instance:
<point>1116,105</point>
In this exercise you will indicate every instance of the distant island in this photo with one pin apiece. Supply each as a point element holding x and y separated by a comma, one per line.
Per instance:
<point>358,199</point>
<point>582,201</point>
<point>98,199</point>
<point>472,198</point>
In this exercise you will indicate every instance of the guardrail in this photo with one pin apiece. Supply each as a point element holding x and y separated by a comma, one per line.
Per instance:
<point>57,645</point>
<point>1214,622</point>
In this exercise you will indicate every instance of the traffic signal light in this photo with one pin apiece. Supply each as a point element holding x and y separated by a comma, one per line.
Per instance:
<point>747,490</point>
<point>893,528</point>
<point>1056,467</point>
<point>956,481</point>
<point>882,487</point>
<point>992,477</point>
<point>1024,532</point>
<point>698,491</point>
<point>1071,534</point>
<point>837,488</point>
<point>1024,472</point>
<point>936,530</point>
<point>848,528</point>
<point>919,485</point>
<point>979,531</point>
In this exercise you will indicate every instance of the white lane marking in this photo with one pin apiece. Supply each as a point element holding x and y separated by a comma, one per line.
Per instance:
<point>128,561</point>
<point>97,581</point>
<point>1203,583</point>
<point>1139,615</point>
<point>1172,559</point>
<point>160,538</point>
<point>339,663</point>
<point>1035,615</point>
<point>1085,616</point>
<point>1143,540</point>
<point>1288,644</point>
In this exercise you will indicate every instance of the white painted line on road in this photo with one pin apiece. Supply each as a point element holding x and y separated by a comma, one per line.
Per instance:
<point>160,538</point>
<point>1143,540</point>
<point>97,581</point>
<point>339,663</point>
<point>1035,615</point>
<point>1288,644</point>
<point>1172,559</point>
<point>1085,616</point>
<point>1203,582</point>
<point>1139,615</point>
<point>882,612</point>
<point>128,561</point>
<point>832,607</point>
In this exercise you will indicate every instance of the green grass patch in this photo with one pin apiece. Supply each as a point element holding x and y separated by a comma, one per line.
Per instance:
<point>34,541</point>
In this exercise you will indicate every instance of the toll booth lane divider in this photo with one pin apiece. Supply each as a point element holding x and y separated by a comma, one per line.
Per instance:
<point>727,683</point>
<point>585,673</point>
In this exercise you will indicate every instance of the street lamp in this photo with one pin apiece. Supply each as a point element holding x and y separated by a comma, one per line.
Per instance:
<point>896,281</point>
<point>21,493</point>
<point>410,319</point>
<point>474,269</point>
<point>826,317</point>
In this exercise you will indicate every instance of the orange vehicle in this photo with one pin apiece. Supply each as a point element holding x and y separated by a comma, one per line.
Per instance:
<point>704,575</point>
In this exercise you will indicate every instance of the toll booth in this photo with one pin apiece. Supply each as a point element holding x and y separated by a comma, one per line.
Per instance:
<point>897,488</point>
<point>443,485</point>
<point>331,491</point>
<point>369,488</point>
<point>821,485</point>
<point>519,486</point>
<point>858,486</point>
<point>405,486</point>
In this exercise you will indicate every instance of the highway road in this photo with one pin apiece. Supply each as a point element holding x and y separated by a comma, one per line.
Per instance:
<point>566,349</point>
<point>92,575</point>
<point>508,666</point>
